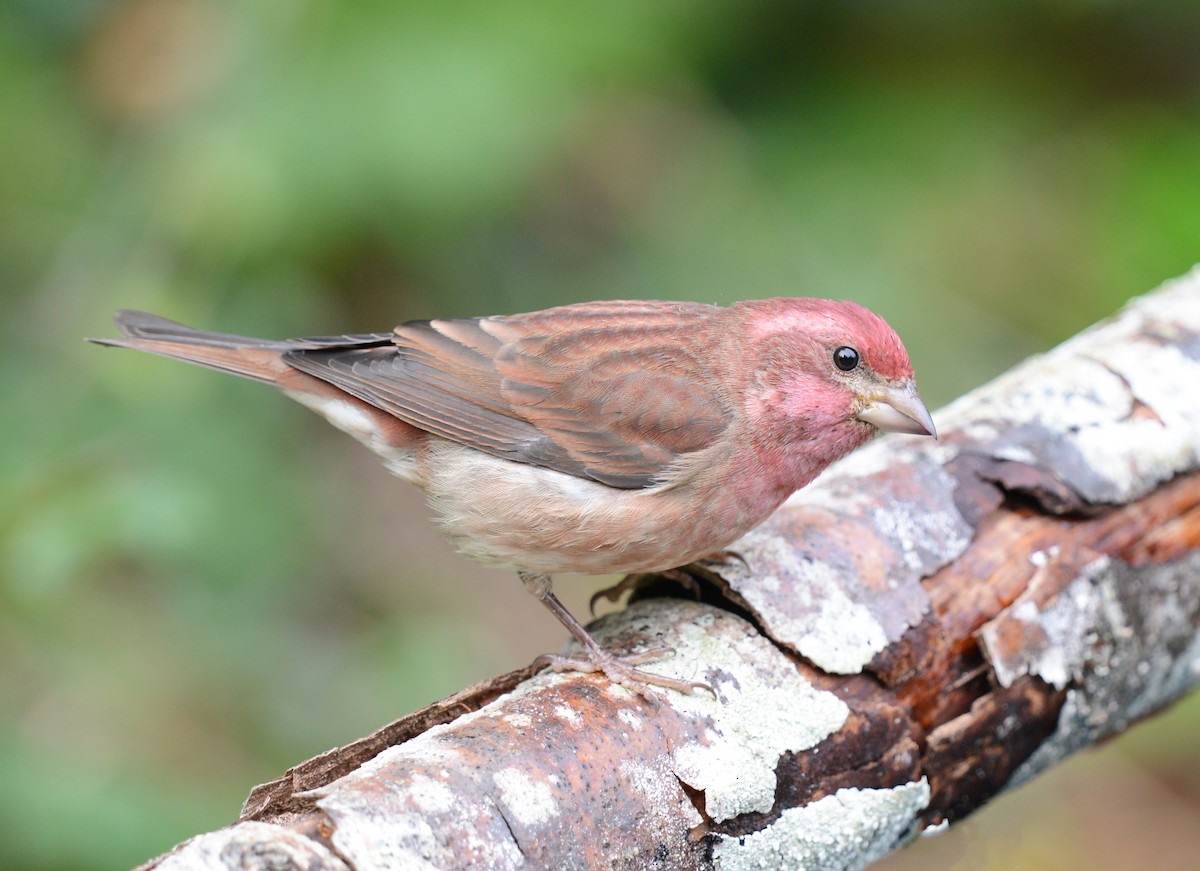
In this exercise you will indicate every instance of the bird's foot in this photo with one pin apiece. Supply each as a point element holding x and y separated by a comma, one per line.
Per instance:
<point>723,558</point>
<point>622,671</point>
<point>631,583</point>
<point>687,577</point>
<point>596,658</point>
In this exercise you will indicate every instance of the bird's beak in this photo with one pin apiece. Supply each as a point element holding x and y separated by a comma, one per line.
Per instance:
<point>899,408</point>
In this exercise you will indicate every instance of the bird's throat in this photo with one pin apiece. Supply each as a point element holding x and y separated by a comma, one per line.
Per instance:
<point>784,468</point>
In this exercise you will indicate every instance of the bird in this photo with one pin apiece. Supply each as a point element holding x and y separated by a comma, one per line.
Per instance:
<point>625,436</point>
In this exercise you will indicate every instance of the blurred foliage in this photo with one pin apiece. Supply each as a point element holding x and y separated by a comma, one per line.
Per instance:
<point>200,584</point>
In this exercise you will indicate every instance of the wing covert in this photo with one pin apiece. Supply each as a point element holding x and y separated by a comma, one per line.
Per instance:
<point>614,392</point>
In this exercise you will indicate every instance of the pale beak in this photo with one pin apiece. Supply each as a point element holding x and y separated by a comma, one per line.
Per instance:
<point>899,409</point>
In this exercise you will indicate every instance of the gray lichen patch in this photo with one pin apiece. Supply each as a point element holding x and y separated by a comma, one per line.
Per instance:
<point>400,827</point>
<point>764,707</point>
<point>1057,390</point>
<point>1074,411</point>
<point>252,846</point>
<point>653,782</point>
<point>803,604</point>
<point>529,800</point>
<point>1128,640</point>
<point>913,511</point>
<point>445,799</point>
<point>847,830</point>
<point>1138,453</point>
<point>1016,644</point>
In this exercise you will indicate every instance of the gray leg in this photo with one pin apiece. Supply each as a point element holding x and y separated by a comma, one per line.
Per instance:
<point>599,659</point>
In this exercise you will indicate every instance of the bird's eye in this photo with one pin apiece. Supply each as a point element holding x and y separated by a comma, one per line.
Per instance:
<point>845,358</point>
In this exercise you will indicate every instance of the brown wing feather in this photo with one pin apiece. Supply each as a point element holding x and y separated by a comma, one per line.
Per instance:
<point>624,396</point>
<point>615,392</point>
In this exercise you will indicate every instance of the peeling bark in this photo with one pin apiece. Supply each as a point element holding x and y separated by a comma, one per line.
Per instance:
<point>923,627</point>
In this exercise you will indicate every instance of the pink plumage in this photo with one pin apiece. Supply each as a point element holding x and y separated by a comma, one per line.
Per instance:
<point>600,437</point>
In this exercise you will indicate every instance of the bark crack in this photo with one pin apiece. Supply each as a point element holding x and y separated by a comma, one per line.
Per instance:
<point>512,833</point>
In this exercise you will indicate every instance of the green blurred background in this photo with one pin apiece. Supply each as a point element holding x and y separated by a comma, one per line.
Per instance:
<point>202,583</point>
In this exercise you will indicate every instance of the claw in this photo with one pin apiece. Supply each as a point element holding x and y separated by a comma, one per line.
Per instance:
<point>627,584</point>
<point>621,671</point>
<point>723,558</point>
<point>597,658</point>
<point>631,583</point>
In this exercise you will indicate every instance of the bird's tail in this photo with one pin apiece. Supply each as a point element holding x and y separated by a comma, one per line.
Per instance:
<point>259,359</point>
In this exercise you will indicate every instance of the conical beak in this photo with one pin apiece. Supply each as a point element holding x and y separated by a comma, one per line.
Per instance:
<point>899,408</point>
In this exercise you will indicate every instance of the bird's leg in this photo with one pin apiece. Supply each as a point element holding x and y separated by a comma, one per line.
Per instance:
<point>599,659</point>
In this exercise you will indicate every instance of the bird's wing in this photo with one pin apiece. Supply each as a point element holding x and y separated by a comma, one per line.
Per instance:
<point>614,392</point>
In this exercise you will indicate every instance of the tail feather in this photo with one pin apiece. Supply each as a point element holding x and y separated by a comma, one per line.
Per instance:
<point>259,359</point>
<point>263,360</point>
<point>143,325</point>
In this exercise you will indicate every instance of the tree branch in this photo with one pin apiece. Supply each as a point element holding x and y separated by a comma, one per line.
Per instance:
<point>923,627</point>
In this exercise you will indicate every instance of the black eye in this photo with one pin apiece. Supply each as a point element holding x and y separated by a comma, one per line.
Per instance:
<point>845,358</point>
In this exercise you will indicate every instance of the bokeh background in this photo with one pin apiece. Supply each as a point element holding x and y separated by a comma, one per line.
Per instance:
<point>202,583</point>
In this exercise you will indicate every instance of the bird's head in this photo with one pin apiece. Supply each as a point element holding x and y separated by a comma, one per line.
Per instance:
<point>828,374</point>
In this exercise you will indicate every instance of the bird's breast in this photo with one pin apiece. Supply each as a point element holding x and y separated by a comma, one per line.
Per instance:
<point>507,513</point>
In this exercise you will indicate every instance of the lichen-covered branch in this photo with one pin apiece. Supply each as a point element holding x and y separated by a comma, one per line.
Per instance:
<point>923,627</point>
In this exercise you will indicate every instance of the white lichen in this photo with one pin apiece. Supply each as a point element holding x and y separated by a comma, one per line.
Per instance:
<point>765,708</point>
<point>526,799</point>
<point>1072,409</point>
<point>819,620</point>
<point>251,845</point>
<point>847,830</point>
<point>1128,638</point>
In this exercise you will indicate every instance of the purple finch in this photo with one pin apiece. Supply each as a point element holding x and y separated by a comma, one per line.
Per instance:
<point>600,437</point>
